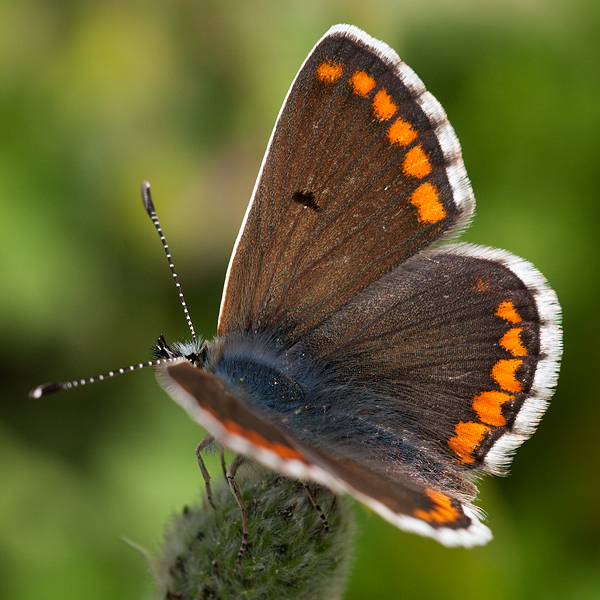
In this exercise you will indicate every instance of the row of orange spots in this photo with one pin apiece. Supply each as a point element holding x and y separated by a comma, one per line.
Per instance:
<point>488,405</point>
<point>442,512</point>
<point>504,371</point>
<point>416,162</point>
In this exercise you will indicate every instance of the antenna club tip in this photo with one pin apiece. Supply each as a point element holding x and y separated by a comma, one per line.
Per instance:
<point>147,198</point>
<point>36,393</point>
<point>45,389</point>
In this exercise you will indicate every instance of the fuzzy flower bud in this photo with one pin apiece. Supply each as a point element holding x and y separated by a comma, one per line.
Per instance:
<point>289,554</point>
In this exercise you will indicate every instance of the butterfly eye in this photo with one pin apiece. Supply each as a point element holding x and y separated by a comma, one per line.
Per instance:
<point>198,357</point>
<point>193,358</point>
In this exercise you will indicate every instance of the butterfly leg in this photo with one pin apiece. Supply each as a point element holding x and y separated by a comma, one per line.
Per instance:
<point>237,494</point>
<point>223,465</point>
<point>206,440</point>
<point>316,506</point>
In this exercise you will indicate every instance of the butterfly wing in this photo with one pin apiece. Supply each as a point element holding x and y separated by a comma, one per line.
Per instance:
<point>362,171</point>
<point>462,344</point>
<point>405,502</point>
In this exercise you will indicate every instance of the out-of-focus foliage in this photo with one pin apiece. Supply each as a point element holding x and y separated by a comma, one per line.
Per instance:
<point>97,96</point>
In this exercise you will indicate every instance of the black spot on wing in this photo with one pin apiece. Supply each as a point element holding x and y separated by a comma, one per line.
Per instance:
<point>306,199</point>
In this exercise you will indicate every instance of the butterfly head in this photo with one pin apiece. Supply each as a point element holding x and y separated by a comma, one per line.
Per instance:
<point>194,351</point>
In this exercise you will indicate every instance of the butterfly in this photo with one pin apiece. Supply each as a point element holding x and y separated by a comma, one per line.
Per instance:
<point>358,347</point>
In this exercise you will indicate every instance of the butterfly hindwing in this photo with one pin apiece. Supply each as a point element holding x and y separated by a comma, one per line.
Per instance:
<point>462,342</point>
<point>362,171</point>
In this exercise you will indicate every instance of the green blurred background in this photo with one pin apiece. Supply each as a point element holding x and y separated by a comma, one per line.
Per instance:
<point>97,96</point>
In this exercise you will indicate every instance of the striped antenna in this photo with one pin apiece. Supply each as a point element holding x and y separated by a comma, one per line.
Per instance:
<point>149,206</point>
<point>51,388</point>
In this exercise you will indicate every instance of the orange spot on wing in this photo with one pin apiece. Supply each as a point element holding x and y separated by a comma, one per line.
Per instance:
<point>506,310</point>
<point>442,512</point>
<point>401,132</point>
<point>426,199</point>
<point>416,163</point>
<point>468,436</point>
<point>511,342</point>
<point>488,406</point>
<point>329,72</point>
<point>482,286</point>
<point>361,83</point>
<point>383,105</point>
<point>286,452</point>
<point>503,373</point>
<point>233,428</point>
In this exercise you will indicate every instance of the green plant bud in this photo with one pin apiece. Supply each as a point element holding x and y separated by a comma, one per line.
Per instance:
<point>289,554</point>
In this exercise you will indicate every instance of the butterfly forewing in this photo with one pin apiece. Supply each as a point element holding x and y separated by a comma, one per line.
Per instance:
<point>403,500</point>
<point>362,171</point>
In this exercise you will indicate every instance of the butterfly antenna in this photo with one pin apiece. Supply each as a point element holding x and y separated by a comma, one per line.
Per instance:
<point>149,206</point>
<point>52,388</point>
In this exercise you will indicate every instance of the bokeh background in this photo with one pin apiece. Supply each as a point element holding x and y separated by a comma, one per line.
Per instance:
<point>97,96</point>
